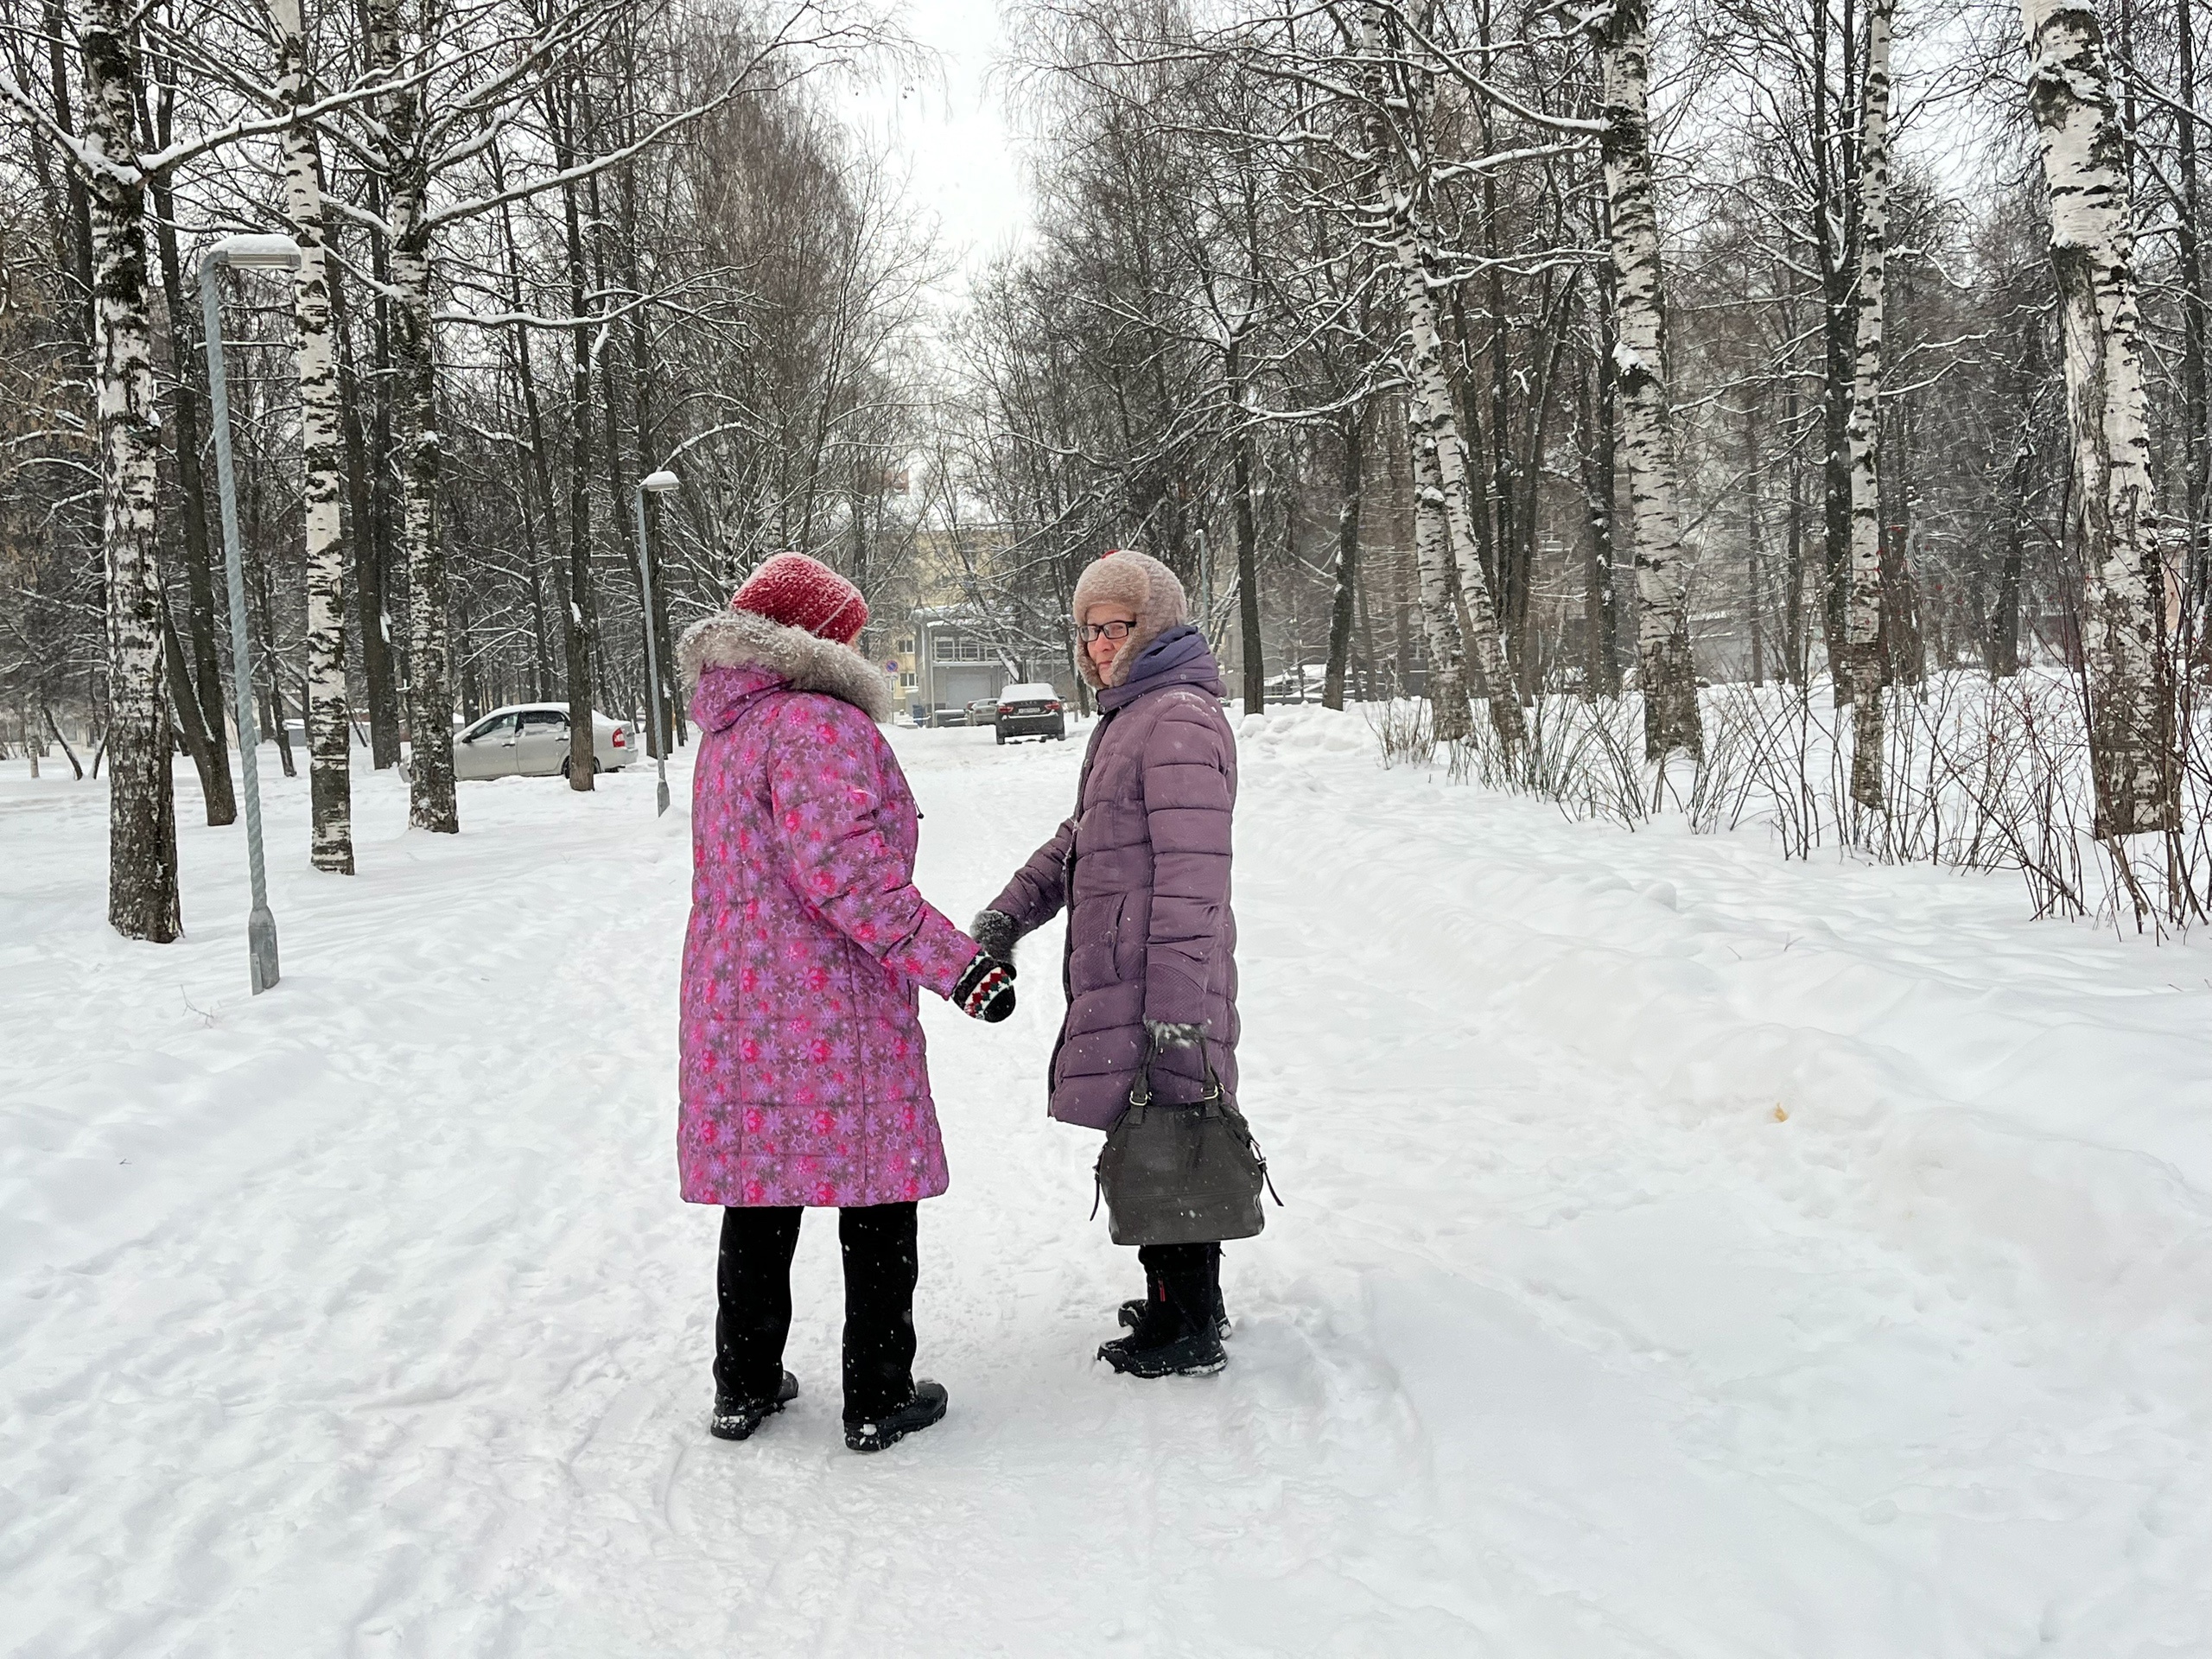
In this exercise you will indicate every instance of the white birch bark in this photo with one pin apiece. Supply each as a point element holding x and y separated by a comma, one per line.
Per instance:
<point>2092,253</point>
<point>141,825</point>
<point>1436,428</point>
<point>1862,619</point>
<point>1431,402</point>
<point>330,754</point>
<point>431,805</point>
<point>1448,673</point>
<point>1622,35</point>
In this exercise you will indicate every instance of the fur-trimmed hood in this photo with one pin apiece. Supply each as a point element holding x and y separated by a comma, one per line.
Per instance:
<point>802,660</point>
<point>1148,589</point>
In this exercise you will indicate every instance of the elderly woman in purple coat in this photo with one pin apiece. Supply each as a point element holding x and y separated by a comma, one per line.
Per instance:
<point>1142,869</point>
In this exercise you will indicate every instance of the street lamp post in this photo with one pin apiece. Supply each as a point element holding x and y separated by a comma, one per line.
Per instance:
<point>245,253</point>
<point>659,483</point>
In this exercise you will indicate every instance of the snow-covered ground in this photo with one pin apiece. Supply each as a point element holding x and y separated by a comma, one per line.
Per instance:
<point>1687,1253</point>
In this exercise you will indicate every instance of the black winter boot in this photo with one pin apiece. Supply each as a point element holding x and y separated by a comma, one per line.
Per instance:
<point>1178,1333</point>
<point>735,1418</point>
<point>926,1406</point>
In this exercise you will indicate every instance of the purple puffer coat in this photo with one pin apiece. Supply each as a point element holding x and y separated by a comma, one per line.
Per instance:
<point>1143,866</point>
<point>804,1077</point>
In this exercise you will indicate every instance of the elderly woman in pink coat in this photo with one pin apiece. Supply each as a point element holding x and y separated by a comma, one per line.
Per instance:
<point>804,1079</point>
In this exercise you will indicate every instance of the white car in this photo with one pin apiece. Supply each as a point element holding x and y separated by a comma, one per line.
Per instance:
<point>531,739</point>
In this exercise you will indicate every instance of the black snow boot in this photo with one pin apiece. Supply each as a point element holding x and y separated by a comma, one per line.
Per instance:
<point>735,1418</point>
<point>1132,1311</point>
<point>926,1406</point>
<point>1178,1333</point>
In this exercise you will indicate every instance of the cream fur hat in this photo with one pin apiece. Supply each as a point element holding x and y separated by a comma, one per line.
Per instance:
<point>1139,584</point>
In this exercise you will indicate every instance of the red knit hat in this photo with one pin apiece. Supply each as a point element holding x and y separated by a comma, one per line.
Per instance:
<point>802,593</point>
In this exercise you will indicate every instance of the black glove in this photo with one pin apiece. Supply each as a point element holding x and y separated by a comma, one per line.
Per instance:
<point>994,931</point>
<point>1165,1034</point>
<point>985,989</point>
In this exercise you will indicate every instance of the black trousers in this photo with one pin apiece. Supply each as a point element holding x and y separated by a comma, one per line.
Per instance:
<point>1187,1277</point>
<point>754,1287</point>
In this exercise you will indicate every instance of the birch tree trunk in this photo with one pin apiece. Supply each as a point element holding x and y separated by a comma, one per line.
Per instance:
<point>1667,670</point>
<point>1450,719</point>
<point>1432,405</point>
<point>330,784</point>
<point>2197,569</point>
<point>142,894</point>
<point>1351,426</point>
<point>565,124</point>
<point>1754,534</point>
<point>2092,253</point>
<point>641,383</point>
<point>1444,533</point>
<point>201,704</point>
<point>431,805</point>
<point>1834,213</point>
<point>371,616</point>
<point>1862,668</point>
<point>1601,672</point>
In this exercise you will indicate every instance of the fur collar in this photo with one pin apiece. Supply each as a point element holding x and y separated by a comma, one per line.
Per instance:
<point>806,662</point>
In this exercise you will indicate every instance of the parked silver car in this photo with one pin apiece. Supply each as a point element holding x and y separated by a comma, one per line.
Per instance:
<point>531,739</point>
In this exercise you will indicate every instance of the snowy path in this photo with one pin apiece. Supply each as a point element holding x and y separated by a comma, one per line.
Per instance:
<point>1688,1254</point>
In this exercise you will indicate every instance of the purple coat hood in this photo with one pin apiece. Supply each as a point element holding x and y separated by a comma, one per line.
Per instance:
<point>1143,870</point>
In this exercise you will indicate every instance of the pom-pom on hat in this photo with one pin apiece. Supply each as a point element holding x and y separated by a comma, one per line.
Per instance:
<point>802,592</point>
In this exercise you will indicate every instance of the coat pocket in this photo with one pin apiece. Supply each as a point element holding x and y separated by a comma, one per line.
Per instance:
<point>1132,929</point>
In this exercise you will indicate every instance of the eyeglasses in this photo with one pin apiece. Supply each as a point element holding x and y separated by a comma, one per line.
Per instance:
<point>1091,630</point>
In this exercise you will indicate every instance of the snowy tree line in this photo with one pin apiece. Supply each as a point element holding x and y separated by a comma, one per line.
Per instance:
<point>1524,349</point>
<point>549,249</point>
<point>1500,352</point>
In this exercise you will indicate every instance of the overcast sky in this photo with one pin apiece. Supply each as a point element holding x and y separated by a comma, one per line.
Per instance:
<point>947,130</point>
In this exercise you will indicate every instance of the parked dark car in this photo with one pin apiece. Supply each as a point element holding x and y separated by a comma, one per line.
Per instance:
<point>1031,709</point>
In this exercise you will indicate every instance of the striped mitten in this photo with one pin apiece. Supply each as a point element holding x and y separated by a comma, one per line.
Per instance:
<point>985,990</point>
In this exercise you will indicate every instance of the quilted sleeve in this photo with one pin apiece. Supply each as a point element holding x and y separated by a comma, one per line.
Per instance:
<point>826,790</point>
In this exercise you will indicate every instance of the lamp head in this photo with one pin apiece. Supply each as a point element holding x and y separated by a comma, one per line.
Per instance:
<point>659,483</point>
<point>254,252</point>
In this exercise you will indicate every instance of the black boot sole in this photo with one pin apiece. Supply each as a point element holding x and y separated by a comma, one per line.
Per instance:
<point>736,1419</point>
<point>1132,1311</point>
<point>1185,1356</point>
<point>925,1408</point>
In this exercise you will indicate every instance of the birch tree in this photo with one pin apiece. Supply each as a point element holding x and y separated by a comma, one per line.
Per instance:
<point>329,732</point>
<point>1436,437</point>
<point>143,901</point>
<point>1863,663</point>
<point>402,154</point>
<point>1621,32</point>
<point>1447,684</point>
<point>450,91</point>
<point>2092,252</point>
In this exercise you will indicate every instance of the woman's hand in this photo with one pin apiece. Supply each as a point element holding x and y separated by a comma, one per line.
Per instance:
<point>985,990</point>
<point>994,931</point>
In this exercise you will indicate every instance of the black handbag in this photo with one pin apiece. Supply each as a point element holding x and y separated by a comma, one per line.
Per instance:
<point>1181,1174</point>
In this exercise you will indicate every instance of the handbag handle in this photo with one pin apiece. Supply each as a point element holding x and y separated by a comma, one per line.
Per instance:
<point>1140,1090</point>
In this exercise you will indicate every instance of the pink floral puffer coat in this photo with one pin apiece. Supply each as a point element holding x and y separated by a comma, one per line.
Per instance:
<point>804,1080</point>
